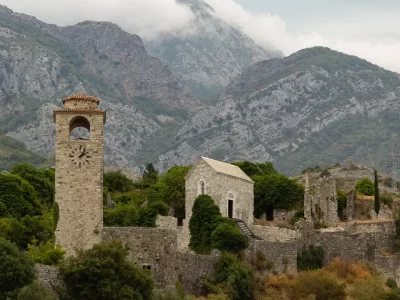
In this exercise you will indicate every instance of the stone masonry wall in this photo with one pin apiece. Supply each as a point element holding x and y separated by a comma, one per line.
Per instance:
<point>275,234</point>
<point>79,186</point>
<point>218,186</point>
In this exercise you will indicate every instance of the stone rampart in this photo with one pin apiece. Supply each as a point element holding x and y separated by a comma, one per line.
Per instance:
<point>275,234</point>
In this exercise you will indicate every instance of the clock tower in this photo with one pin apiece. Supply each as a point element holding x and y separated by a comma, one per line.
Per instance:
<point>79,172</point>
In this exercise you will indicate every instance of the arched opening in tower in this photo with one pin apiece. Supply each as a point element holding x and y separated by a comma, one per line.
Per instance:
<point>79,129</point>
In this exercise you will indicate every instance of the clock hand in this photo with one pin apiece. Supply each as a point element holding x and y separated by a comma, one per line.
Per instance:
<point>83,154</point>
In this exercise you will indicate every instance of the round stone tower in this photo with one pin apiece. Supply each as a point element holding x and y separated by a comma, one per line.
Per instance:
<point>79,172</point>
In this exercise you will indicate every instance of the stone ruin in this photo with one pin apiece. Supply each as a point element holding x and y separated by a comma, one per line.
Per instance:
<point>320,200</point>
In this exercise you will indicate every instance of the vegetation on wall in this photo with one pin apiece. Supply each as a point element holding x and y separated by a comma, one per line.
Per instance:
<point>365,186</point>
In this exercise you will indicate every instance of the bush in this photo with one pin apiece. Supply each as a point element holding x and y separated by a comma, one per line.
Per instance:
<point>205,219</point>
<point>233,276</point>
<point>116,181</point>
<point>392,295</point>
<point>348,271</point>
<point>311,258</point>
<point>365,186</point>
<point>37,291</point>
<point>228,237</point>
<point>391,283</point>
<point>369,289</point>
<point>45,253</point>
<point>104,273</point>
<point>320,284</point>
<point>16,270</point>
<point>387,199</point>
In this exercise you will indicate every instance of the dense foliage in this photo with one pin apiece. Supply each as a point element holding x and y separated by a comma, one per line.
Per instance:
<point>365,186</point>
<point>311,258</point>
<point>255,169</point>
<point>205,219</point>
<point>37,291</point>
<point>233,277</point>
<point>104,273</point>
<point>16,270</point>
<point>227,237</point>
<point>276,191</point>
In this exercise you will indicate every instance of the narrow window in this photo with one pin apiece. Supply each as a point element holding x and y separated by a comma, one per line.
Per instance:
<point>146,267</point>
<point>202,188</point>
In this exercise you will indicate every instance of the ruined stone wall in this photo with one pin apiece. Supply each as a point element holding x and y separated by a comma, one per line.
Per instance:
<point>320,201</point>
<point>79,182</point>
<point>183,233</point>
<point>283,214</point>
<point>193,269</point>
<point>365,210</point>
<point>282,255</point>
<point>48,275</point>
<point>275,234</point>
<point>218,186</point>
<point>150,247</point>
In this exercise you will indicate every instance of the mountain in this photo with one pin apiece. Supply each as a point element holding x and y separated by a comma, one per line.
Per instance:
<point>13,152</point>
<point>208,53</point>
<point>315,107</point>
<point>40,64</point>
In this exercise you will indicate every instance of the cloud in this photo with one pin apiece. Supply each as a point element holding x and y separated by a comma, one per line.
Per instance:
<point>266,29</point>
<point>147,18</point>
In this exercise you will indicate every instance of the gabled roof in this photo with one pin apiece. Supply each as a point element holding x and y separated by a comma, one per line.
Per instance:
<point>223,168</point>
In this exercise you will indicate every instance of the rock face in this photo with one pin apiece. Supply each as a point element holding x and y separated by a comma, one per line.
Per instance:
<point>208,53</point>
<point>40,64</point>
<point>316,106</point>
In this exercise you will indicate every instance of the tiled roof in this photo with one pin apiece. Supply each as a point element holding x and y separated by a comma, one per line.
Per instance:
<point>227,169</point>
<point>82,97</point>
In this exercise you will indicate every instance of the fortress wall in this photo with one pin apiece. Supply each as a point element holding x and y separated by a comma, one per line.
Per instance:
<point>275,234</point>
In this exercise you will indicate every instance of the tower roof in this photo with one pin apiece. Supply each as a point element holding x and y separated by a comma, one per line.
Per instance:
<point>82,97</point>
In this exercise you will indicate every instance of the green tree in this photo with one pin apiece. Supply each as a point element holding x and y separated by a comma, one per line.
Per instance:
<point>365,186</point>
<point>276,191</point>
<point>116,181</point>
<point>377,203</point>
<point>228,237</point>
<point>37,291</point>
<point>234,276</point>
<point>18,196</point>
<point>16,270</point>
<point>150,174</point>
<point>104,273</point>
<point>41,180</point>
<point>256,169</point>
<point>205,218</point>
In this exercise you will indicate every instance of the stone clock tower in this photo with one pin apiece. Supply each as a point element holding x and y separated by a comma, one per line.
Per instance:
<point>79,172</point>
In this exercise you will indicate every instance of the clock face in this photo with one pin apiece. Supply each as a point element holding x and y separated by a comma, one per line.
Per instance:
<point>80,156</point>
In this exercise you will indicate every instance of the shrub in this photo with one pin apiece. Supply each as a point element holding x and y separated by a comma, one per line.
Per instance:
<point>228,237</point>
<point>205,219</point>
<point>349,271</point>
<point>104,273</point>
<point>45,253</point>
<point>387,199</point>
<point>391,283</point>
<point>234,277</point>
<point>369,289</point>
<point>37,291</point>
<point>16,270</point>
<point>116,181</point>
<point>392,295</point>
<point>365,186</point>
<point>320,284</point>
<point>311,258</point>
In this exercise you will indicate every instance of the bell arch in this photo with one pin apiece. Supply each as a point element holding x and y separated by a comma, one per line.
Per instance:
<point>79,128</point>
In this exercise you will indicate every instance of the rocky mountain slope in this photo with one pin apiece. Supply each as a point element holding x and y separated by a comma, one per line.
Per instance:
<point>316,106</point>
<point>40,64</point>
<point>208,53</point>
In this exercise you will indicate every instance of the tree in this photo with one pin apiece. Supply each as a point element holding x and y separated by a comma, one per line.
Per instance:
<point>116,181</point>
<point>256,169</point>
<point>16,270</point>
<point>275,191</point>
<point>365,186</point>
<point>104,273</point>
<point>18,197</point>
<point>41,180</point>
<point>377,203</point>
<point>205,218</point>
<point>228,237</point>
<point>235,276</point>
<point>150,174</point>
<point>37,291</point>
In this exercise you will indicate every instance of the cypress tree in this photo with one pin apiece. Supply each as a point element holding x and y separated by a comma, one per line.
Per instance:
<point>376,199</point>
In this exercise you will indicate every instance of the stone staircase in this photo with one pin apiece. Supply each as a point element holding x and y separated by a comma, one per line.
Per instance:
<point>245,230</point>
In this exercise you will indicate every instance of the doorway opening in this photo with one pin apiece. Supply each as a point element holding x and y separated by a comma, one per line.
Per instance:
<point>230,209</point>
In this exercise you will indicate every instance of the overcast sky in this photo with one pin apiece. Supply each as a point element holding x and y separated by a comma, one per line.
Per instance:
<point>367,28</point>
